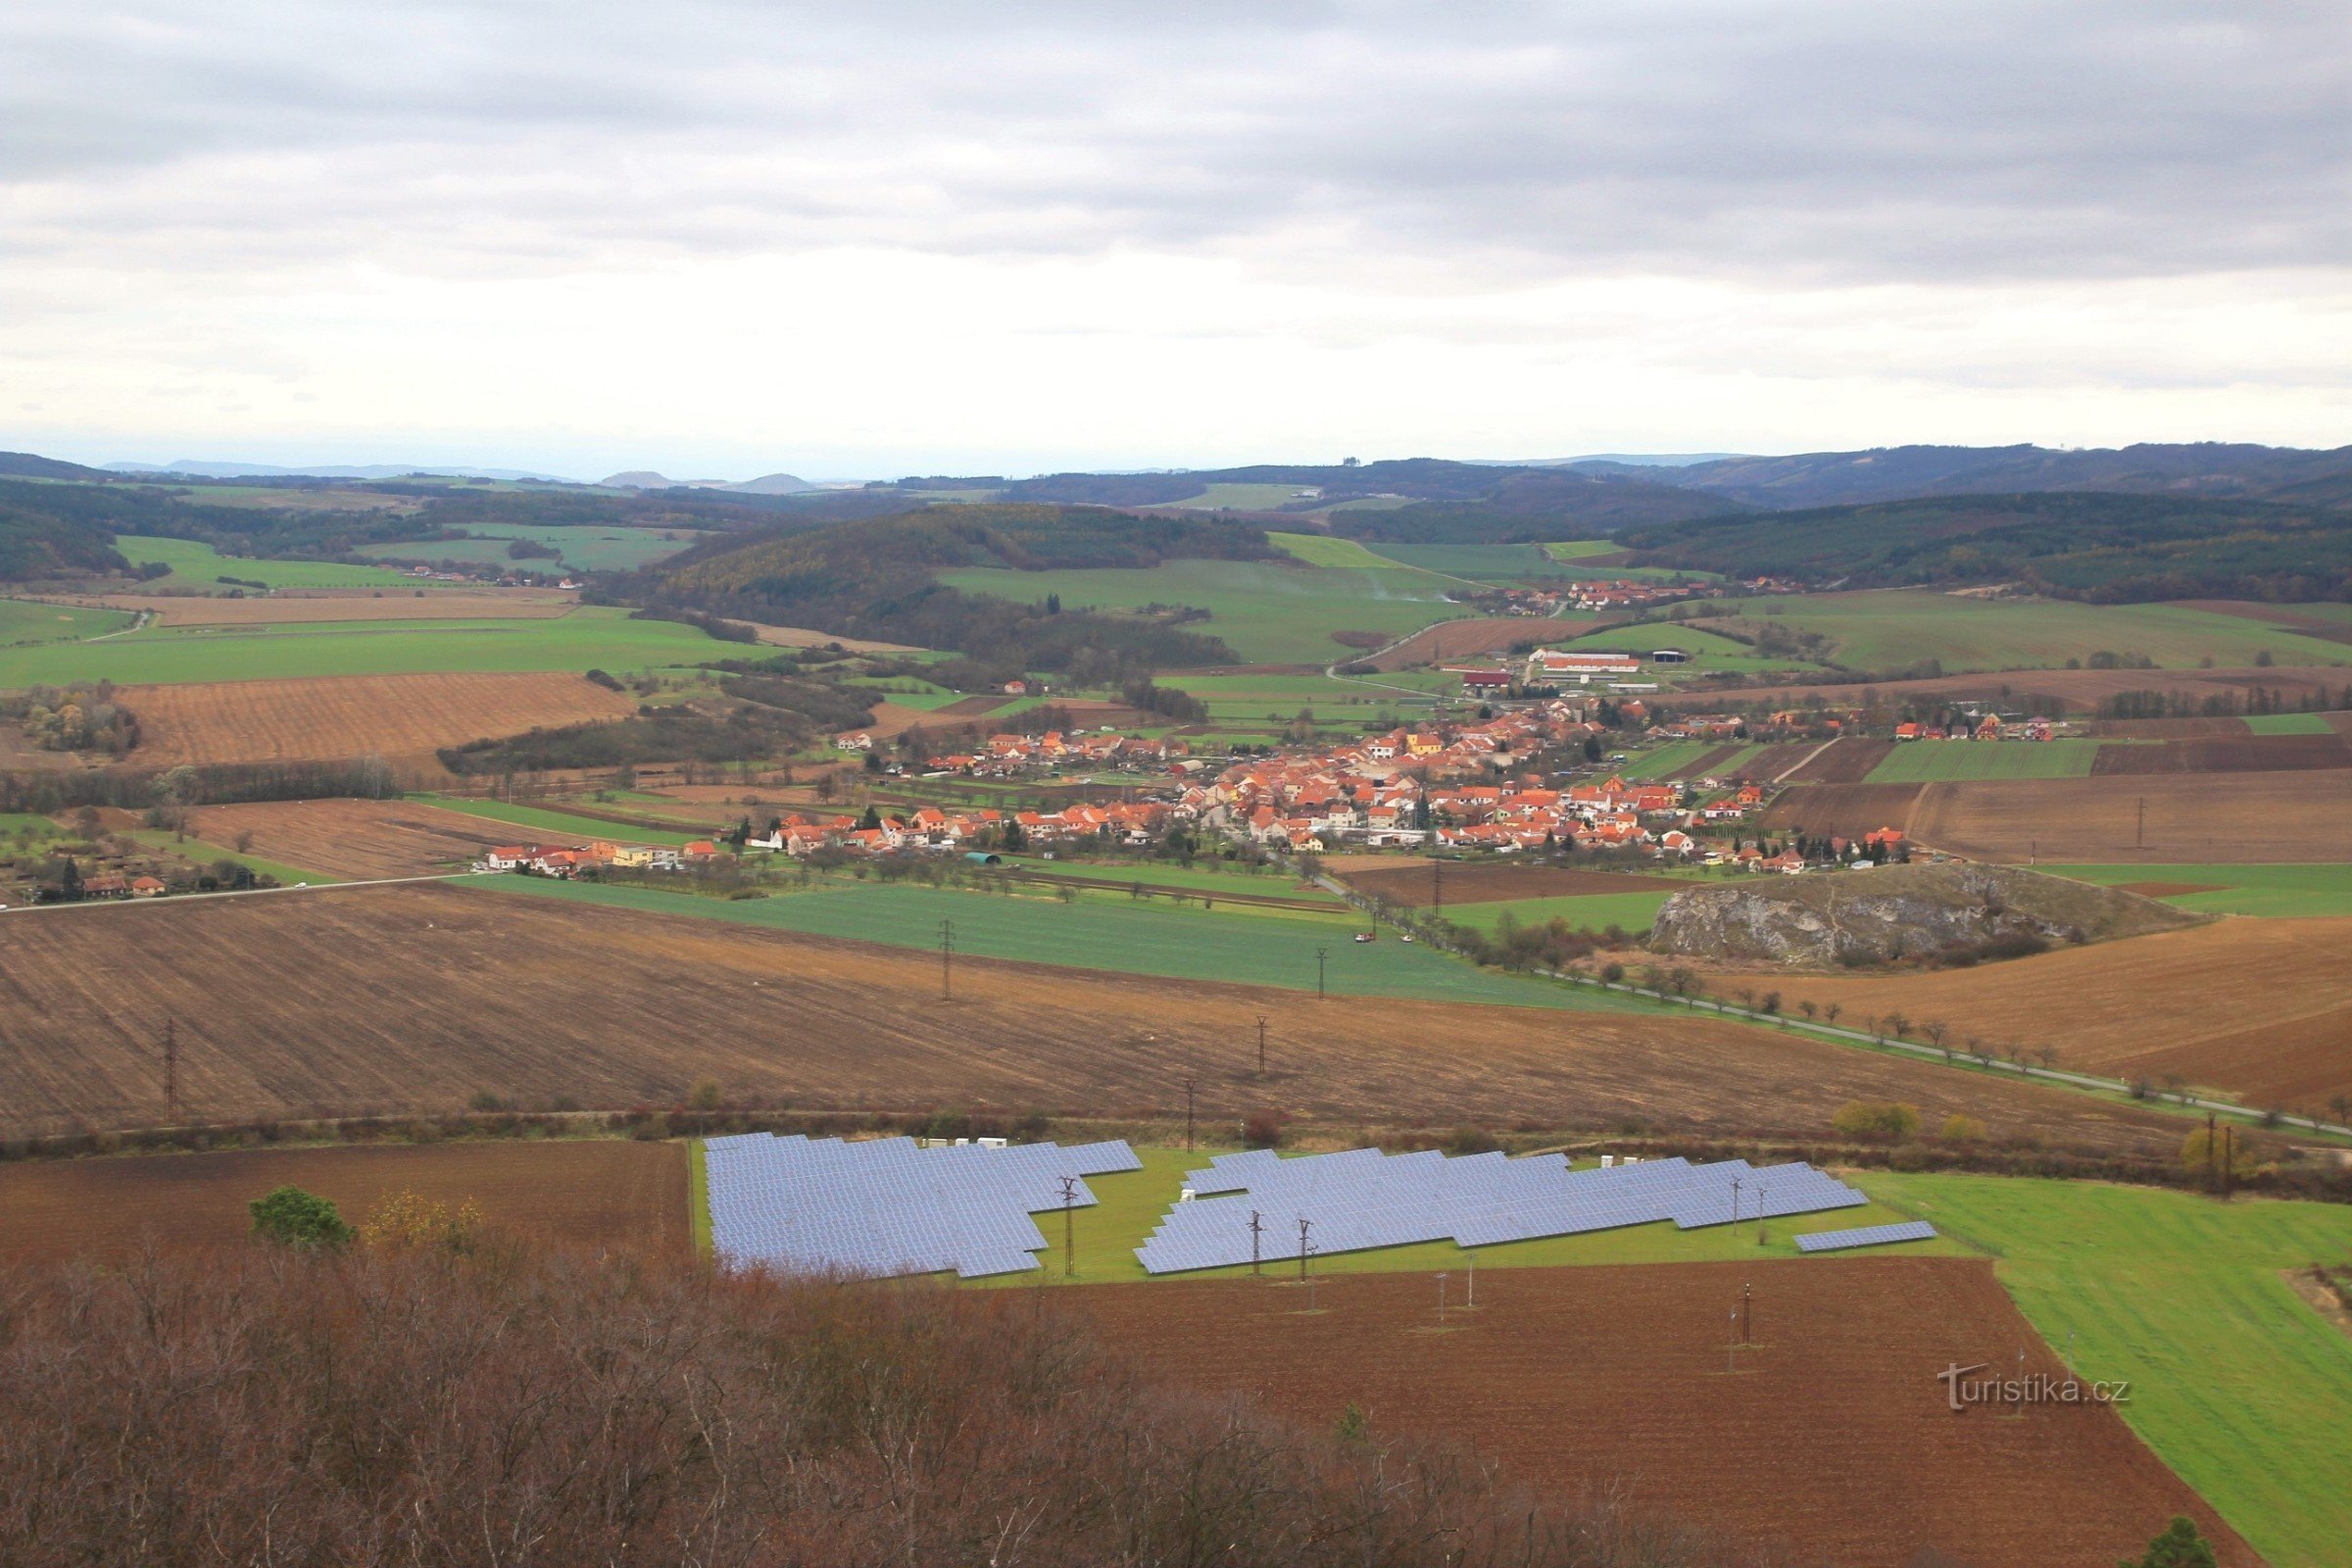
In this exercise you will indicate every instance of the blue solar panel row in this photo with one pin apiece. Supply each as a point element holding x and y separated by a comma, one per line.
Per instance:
<point>1912,1230</point>
<point>1364,1199</point>
<point>886,1206</point>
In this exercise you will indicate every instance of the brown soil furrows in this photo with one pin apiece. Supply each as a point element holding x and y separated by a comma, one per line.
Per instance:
<point>1848,760</point>
<point>2244,754</point>
<point>1476,637</point>
<point>422,996</point>
<point>2257,1009</point>
<point>356,839</point>
<point>600,1193</point>
<point>2165,729</point>
<point>1608,1379</point>
<point>2080,689</point>
<point>401,718</point>
<point>1849,810</point>
<point>2260,818</point>
<point>1491,882</point>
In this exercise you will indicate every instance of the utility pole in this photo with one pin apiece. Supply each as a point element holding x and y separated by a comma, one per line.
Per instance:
<point>1735,1200</point>
<point>1441,1298</point>
<point>1305,1225</point>
<point>1188,1116</point>
<point>1261,1045</point>
<point>2229,1160</point>
<point>1069,1230</point>
<point>947,956</point>
<point>1472,1280</point>
<point>1258,1225</point>
<point>2140,830</point>
<point>172,1071</point>
<point>1321,954</point>
<point>1437,885</point>
<point>1746,1320</point>
<point>2213,1152</point>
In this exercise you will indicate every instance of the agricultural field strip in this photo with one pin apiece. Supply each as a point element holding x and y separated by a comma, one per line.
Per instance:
<point>2268,891</point>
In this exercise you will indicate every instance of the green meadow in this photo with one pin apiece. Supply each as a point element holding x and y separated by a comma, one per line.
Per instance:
<point>2290,891</point>
<point>2236,1382</point>
<point>1945,761</point>
<point>588,638</point>
<point>585,548</point>
<point>199,565</point>
<point>1243,496</point>
<point>1322,550</point>
<point>1106,931</point>
<point>1583,912</point>
<point>1267,613</point>
<point>24,622</point>
<point>2291,724</point>
<point>561,825</point>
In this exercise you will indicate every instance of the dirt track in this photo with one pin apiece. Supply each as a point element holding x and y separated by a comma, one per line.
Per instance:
<point>591,1193</point>
<point>419,997</point>
<point>1600,1377</point>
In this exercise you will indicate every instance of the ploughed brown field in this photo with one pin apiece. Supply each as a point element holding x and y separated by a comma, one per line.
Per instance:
<point>2080,689</point>
<point>2165,729</point>
<point>1614,1378</point>
<point>1847,811</point>
<point>589,1191</point>
<point>2255,819</point>
<point>357,839</point>
<point>2261,1010</point>
<point>419,997</point>
<point>392,604</point>
<point>1476,637</point>
<point>1848,760</point>
<point>1489,882</point>
<point>2243,754</point>
<point>401,718</point>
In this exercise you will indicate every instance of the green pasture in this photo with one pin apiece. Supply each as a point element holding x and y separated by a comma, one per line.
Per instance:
<point>1895,629</point>
<point>587,638</point>
<point>1947,761</point>
<point>1583,912</point>
<point>587,549</point>
<point>1580,549</point>
<point>31,825</point>
<point>1108,932</point>
<point>1130,1205</point>
<point>2290,724</point>
<point>2236,1382</point>
<point>199,565</point>
<point>1267,613</point>
<point>1322,550</point>
<point>24,622</point>
<point>564,825</point>
<point>1199,876</point>
<point>1245,496</point>
<point>2290,890</point>
<point>1708,652</point>
<point>199,852</point>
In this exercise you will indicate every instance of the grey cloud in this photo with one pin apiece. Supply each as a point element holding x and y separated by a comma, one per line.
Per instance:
<point>1841,141</point>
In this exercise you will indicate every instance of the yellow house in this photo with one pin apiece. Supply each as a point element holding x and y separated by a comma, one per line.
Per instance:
<point>632,855</point>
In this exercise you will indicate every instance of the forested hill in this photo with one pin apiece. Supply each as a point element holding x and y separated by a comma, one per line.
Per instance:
<point>36,545</point>
<point>2108,548</point>
<point>874,579</point>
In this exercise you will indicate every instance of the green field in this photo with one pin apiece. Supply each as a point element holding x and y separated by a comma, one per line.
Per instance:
<point>201,566</point>
<point>1108,932</point>
<point>1132,1204</point>
<point>1940,762</point>
<point>585,548</point>
<point>1267,613</point>
<point>1321,550</point>
<point>1578,549</point>
<point>2290,891</point>
<point>588,638</point>
<point>1895,629</point>
<point>1243,496</point>
<point>1164,873</point>
<point>2237,1384</point>
<point>2290,724</point>
<point>1676,759</point>
<point>1708,652</point>
<point>12,823</point>
<point>563,825</point>
<point>1583,912</point>
<point>23,623</point>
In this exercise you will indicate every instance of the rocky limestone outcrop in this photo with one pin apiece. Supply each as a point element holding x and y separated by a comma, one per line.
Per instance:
<point>1828,919</point>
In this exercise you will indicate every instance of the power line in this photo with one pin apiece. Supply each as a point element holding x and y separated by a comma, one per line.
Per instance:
<point>1321,954</point>
<point>1261,1045</point>
<point>1069,1232</point>
<point>947,955</point>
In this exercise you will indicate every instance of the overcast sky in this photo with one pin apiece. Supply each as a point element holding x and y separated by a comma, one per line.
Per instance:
<point>846,240</point>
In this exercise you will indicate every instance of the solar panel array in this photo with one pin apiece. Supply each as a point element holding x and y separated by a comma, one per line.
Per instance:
<point>886,1206</point>
<point>1911,1230</point>
<point>1364,1199</point>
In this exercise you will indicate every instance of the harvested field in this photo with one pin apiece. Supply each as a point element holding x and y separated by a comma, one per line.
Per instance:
<point>2165,729</point>
<point>318,604</point>
<point>2080,689</point>
<point>2257,818</point>
<point>1770,762</point>
<point>1707,761</point>
<point>803,637</point>
<point>1487,882</point>
<point>1848,760</point>
<point>1477,636</point>
<point>588,1192</point>
<point>1613,1378</point>
<point>420,996</point>
<point>2256,1009</point>
<point>1849,810</point>
<point>972,707</point>
<point>355,838</point>
<point>2243,754</point>
<point>401,718</point>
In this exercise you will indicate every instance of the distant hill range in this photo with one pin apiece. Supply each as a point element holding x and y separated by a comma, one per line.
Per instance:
<point>768,484</point>
<point>200,469</point>
<point>31,466</point>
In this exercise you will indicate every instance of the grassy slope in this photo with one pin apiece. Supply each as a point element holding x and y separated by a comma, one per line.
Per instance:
<point>2238,1385</point>
<point>1893,630</point>
<point>1707,651</point>
<point>1105,931</point>
<point>24,622</point>
<point>1593,911</point>
<point>199,565</point>
<point>1930,761</point>
<point>616,549</point>
<point>1161,873</point>
<point>2291,723</point>
<point>1321,550</point>
<point>588,638</point>
<point>2257,890</point>
<point>1266,614</point>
